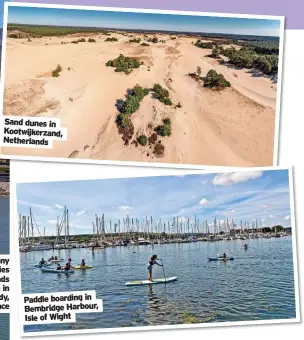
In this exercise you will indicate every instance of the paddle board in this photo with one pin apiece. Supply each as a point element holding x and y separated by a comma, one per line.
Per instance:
<point>82,267</point>
<point>154,282</point>
<point>43,265</point>
<point>55,271</point>
<point>220,259</point>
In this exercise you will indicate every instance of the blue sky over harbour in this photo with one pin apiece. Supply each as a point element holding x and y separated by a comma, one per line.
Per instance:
<point>242,195</point>
<point>149,21</point>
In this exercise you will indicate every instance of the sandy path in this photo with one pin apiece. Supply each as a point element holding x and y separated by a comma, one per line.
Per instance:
<point>233,127</point>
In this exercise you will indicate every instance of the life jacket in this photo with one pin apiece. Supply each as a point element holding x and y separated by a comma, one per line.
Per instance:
<point>151,261</point>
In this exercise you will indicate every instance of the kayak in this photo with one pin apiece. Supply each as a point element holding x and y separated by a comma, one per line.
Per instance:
<point>82,267</point>
<point>220,259</point>
<point>154,282</point>
<point>43,265</point>
<point>55,261</point>
<point>61,271</point>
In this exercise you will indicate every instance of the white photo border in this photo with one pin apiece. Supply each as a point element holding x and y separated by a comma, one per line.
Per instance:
<point>15,242</point>
<point>151,11</point>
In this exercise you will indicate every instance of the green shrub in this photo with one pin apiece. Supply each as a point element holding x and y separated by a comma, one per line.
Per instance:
<point>91,40</point>
<point>154,40</point>
<point>201,44</point>
<point>58,69</point>
<point>162,94</point>
<point>144,44</point>
<point>142,140</point>
<point>164,130</point>
<point>123,120</point>
<point>131,105</point>
<point>74,42</point>
<point>123,64</point>
<point>167,121</point>
<point>215,80</point>
<point>137,41</point>
<point>111,39</point>
<point>133,100</point>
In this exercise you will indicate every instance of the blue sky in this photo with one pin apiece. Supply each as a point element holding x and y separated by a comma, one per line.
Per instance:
<point>68,17</point>
<point>241,195</point>
<point>1,13</point>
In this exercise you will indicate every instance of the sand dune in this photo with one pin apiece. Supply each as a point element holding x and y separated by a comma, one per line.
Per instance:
<point>233,127</point>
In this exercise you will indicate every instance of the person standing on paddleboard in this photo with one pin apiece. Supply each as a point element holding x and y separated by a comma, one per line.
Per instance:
<point>151,263</point>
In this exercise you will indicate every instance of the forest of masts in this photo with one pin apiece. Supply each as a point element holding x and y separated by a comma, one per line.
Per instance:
<point>134,228</point>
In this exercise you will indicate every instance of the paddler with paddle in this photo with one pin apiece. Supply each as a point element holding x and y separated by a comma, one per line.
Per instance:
<point>152,262</point>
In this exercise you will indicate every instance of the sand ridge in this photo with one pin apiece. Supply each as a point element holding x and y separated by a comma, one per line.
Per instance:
<point>233,127</point>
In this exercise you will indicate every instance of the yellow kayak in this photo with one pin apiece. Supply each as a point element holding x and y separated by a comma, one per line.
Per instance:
<point>82,267</point>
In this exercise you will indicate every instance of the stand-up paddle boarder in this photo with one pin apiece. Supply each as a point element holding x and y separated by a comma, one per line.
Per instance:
<point>151,263</point>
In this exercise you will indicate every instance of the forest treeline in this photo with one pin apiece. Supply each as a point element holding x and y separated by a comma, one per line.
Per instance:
<point>262,55</point>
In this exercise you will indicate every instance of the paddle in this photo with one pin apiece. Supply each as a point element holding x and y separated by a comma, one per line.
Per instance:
<point>164,272</point>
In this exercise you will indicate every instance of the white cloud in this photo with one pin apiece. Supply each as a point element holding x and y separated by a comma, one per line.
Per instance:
<point>287,217</point>
<point>124,208</point>
<point>52,221</point>
<point>235,177</point>
<point>271,216</point>
<point>80,213</point>
<point>264,206</point>
<point>203,201</point>
<point>58,206</point>
<point>36,205</point>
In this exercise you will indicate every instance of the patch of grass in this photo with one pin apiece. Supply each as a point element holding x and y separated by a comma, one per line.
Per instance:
<point>142,140</point>
<point>91,40</point>
<point>144,44</point>
<point>123,64</point>
<point>216,80</point>
<point>56,72</point>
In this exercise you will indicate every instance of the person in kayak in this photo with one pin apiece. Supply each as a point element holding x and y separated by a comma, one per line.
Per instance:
<point>58,266</point>
<point>151,263</point>
<point>42,262</point>
<point>224,256</point>
<point>55,258</point>
<point>52,258</point>
<point>82,264</point>
<point>67,266</point>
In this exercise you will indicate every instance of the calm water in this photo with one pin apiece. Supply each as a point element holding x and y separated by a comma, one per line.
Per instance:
<point>4,327</point>
<point>4,225</point>
<point>257,285</point>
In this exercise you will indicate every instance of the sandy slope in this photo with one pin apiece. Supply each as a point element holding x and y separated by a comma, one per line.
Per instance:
<point>233,127</point>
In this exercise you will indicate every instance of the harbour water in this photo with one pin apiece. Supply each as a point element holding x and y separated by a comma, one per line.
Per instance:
<point>4,327</point>
<point>257,285</point>
<point>4,224</point>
